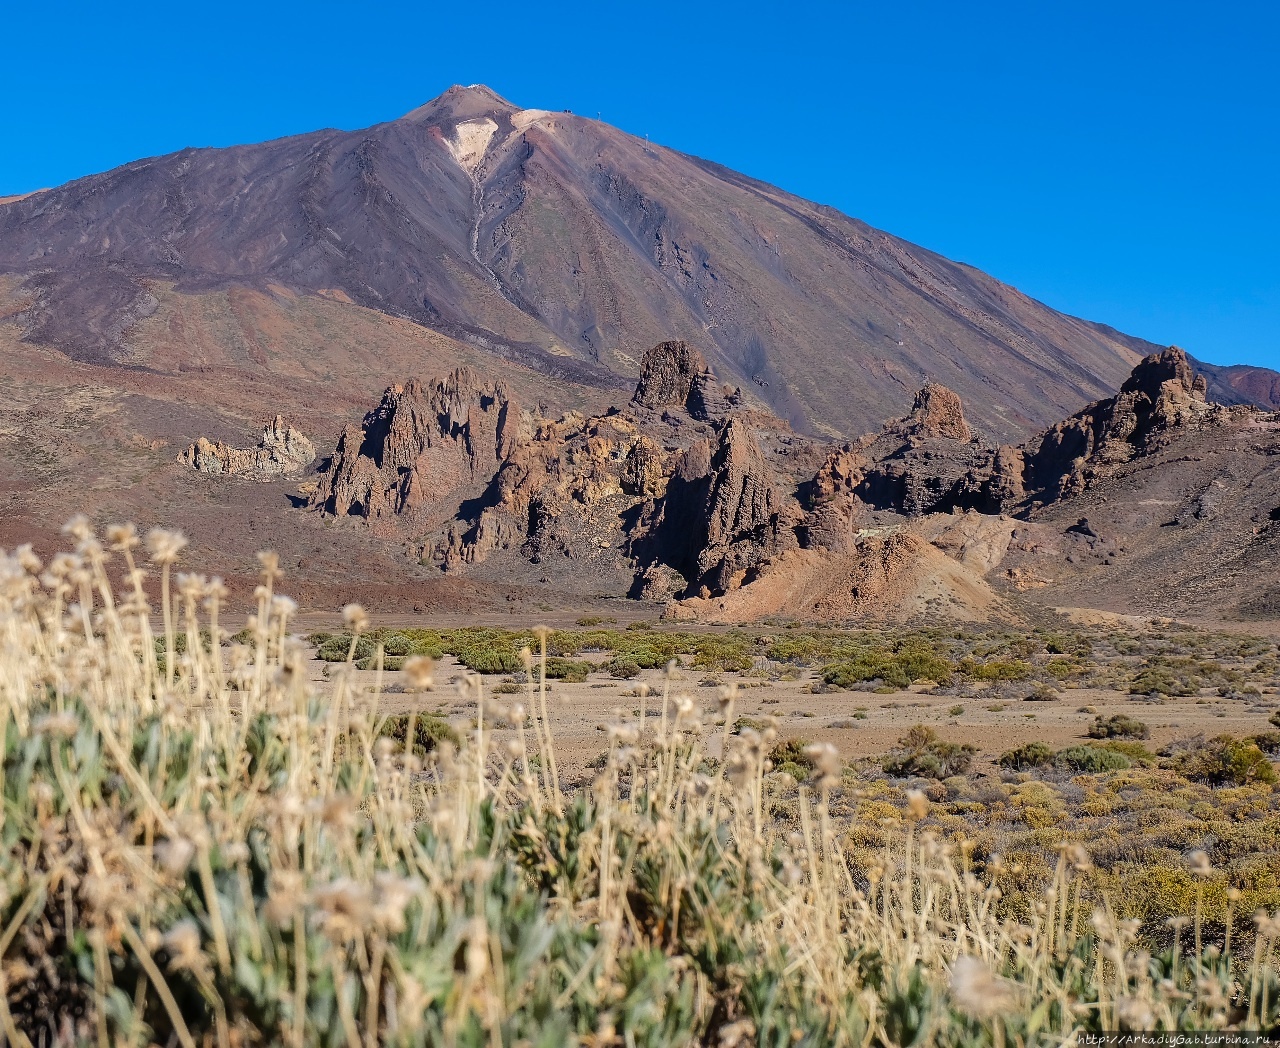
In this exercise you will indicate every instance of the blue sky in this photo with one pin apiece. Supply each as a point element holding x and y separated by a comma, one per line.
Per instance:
<point>1117,160</point>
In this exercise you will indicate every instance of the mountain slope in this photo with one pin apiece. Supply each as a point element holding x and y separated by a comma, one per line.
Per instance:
<point>555,241</point>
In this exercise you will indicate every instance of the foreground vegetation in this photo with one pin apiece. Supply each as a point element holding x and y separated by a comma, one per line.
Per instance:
<point>196,850</point>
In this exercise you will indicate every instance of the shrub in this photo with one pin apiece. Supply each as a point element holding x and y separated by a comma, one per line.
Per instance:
<point>569,670</point>
<point>1091,759</point>
<point>789,757</point>
<point>898,669</point>
<point>1275,719</point>
<point>335,648</point>
<point>482,659</point>
<point>723,658</point>
<point>798,648</point>
<point>623,670</point>
<point>641,658</point>
<point>429,731</point>
<point>1268,742</point>
<point>1221,761</point>
<point>1062,668</point>
<point>1032,755</point>
<point>395,643</point>
<point>920,752</point>
<point>1135,751</point>
<point>1118,727</point>
<point>996,669</point>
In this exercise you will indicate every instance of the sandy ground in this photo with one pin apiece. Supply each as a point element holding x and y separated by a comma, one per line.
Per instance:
<point>859,724</point>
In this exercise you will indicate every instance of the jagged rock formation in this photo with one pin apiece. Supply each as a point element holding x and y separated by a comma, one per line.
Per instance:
<point>682,494</point>
<point>281,451</point>
<point>722,515</point>
<point>674,374</point>
<point>928,462</point>
<point>936,412</point>
<point>559,492</point>
<point>737,516</point>
<point>418,448</point>
<point>1162,394</point>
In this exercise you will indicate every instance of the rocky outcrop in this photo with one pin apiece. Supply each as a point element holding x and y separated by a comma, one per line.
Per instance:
<point>928,462</point>
<point>674,374</point>
<point>937,412</point>
<point>722,516</point>
<point>1162,394</point>
<point>419,449</point>
<point>282,450</point>
<point>560,489</point>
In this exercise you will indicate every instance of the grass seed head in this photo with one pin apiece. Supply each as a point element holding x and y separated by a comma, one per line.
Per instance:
<point>182,941</point>
<point>164,546</point>
<point>355,618</point>
<point>976,991</point>
<point>1199,865</point>
<point>122,537</point>
<point>174,855</point>
<point>420,672</point>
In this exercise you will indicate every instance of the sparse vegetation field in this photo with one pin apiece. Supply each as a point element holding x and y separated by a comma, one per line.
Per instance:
<point>233,842</point>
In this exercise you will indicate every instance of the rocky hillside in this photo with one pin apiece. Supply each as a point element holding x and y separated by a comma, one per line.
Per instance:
<point>686,496</point>
<point>543,238</point>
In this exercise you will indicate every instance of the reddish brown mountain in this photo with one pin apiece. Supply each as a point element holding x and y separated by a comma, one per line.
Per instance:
<point>545,238</point>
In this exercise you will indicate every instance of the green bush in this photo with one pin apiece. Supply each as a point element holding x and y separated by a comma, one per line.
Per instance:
<point>789,757</point>
<point>1221,761</point>
<point>623,670</point>
<point>1032,755</point>
<point>1062,668</point>
<point>489,660</point>
<point>1118,727</point>
<point>800,649</point>
<point>395,643</point>
<point>569,670</point>
<point>723,658</point>
<point>898,669</point>
<point>642,658</point>
<point>1091,759</point>
<point>920,752</point>
<point>335,649</point>
<point>390,663</point>
<point>1134,750</point>
<point>429,731</point>
<point>1268,742</point>
<point>996,669</point>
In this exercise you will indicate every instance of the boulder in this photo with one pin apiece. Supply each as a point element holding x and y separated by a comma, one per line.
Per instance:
<point>667,374</point>
<point>937,412</point>
<point>282,451</point>
<point>674,374</point>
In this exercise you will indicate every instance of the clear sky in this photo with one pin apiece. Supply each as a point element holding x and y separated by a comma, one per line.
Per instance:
<point>1117,160</point>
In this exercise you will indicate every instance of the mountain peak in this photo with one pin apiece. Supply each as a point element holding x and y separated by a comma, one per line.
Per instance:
<point>461,102</point>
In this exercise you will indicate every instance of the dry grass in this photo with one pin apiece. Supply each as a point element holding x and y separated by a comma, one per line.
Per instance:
<point>194,850</point>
